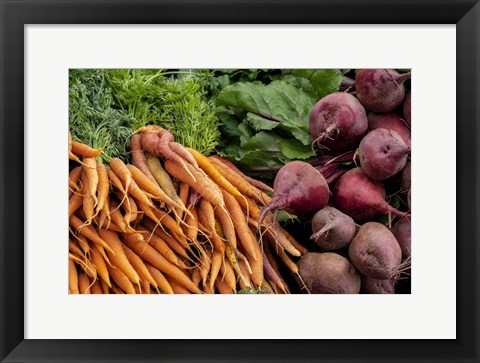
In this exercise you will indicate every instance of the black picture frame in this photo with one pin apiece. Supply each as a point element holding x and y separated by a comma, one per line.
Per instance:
<point>16,14</point>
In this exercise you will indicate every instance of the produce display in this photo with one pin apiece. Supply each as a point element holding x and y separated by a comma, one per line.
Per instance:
<point>239,181</point>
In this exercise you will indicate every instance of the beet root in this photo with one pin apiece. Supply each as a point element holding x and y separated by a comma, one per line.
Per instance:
<point>380,90</point>
<point>332,229</point>
<point>390,121</point>
<point>328,273</point>
<point>383,153</point>
<point>402,230</point>
<point>375,252</point>
<point>407,113</point>
<point>371,285</point>
<point>361,197</point>
<point>338,122</point>
<point>299,189</point>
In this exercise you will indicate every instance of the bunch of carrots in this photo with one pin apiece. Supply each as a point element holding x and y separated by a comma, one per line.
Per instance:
<point>174,221</point>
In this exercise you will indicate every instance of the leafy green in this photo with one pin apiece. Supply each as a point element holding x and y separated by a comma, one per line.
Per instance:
<point>174,100</point>
<point>317,83</point>
<point>92,118</point>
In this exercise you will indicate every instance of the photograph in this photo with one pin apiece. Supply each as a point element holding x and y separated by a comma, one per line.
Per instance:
<point>239,181</point>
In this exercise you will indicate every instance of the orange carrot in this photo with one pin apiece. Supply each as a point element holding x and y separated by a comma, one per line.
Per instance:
<point>227,274</point>
<point>105,288</point>
<point>96,288</point>
<point>100,265</point>
<point>160,279</point>
<point>74,203</point>
<point>84,283</point>
<point>119,259</point>
<point>217,259</point>
<point>196,276</point>
<point>88,201</point>
<point>176,287</point>
<point>303,250</point>
<point>223,287</point>
<point>74,177</point>
<point>243,186</point>
<point>159,244</point>
<point>201,183</point>
<point>72,278</point>
<point>81,149</point>
<point>206,217</point>
<point>227,225</point>
<point>117,216</point>
<point>184,192</point>
<point>92,176</point>
<point>254,182</point>
<point>139,266</point>
<point>116,290</point>
<point>121,279</point>
<point>88,231</point>
<point>85,264</point>
<point>149,254</point>
<point>103,187</point>
<point>246,282</point>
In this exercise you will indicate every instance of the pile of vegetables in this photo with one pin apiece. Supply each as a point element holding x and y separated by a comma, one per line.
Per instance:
<point>239,181</point>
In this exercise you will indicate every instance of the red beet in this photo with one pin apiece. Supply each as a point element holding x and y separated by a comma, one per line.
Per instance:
<point>407,107</point>
<point>390,121</point>
<point>328,273</point>
<point>361,197</point>
<point>380,90</point>
<point>407,176</point>
<point>375,252</point>
<point>383,153</point>
<point>402,230</point>
<point>299,189</point>
<point>338,122</point>
<point>332,229</point>
<point>372,285</point>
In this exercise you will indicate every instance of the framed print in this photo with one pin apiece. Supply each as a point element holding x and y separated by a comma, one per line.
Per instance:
<point>47,44</point>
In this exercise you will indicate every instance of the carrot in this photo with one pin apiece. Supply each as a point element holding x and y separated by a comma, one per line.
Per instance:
<point>117,216</point>
<point>243,186</point>
<point>227,225</point>
<point>223,287</point>
<point>303,250</point>
<point>92,176</point>
<point>228,274</point>
<point>246,282</point>
<point>232,258</point>
<point>139,266</point>
<point>159,244</point>
<point>172,243</point>
<point>84,283</point>
<point>139,157</point>
<point>88,202</point>
<point>206,216</point>
<point>74,248</point>
<point>145,286</point>
<point>201,183</point>
<point>254,182</point>
<point>74,177</point>
<point>96,288</point>
<point>271,268</point>
<point>256,264</point>
<point>130,209</point>
<point>284,242</point>
<point>100,265</point>
<point>190,228</point>
<point>205,265</point>
<point>119,259</point>
<point>82,242</point>
<point>240,223</point>
<point>213,173</point>
<point>88,231</point>
<point>121,279</point>
<point>105,288</point>
<point>176,287</point>
<point>71,155</point>
<point>163,179</point>
<point>103,187</point>
<point>81,149</point>
<point>72,278</point>
<point>160,279</point>
<point>149,254</point>
<point>196,276</point>
<point>74,203</point>
<point>152,188</point>
<point>184,191</point>
<point>217,259</point>
<point>172,226</point>
<point>85,264</point>
<point>116,290</point>
<point>121,170</point>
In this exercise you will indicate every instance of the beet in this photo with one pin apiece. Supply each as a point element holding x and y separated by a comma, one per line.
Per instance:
<point>390,121</point>
<point>380,90</point>
<point>402,230</point>
<point>375,252</point>
<point>299,189</point>
<point>383,153</point>
<point>407,107</point>
<point>338,122</point>
<point>361,197</point>
<point>371,285</point>
<point>332,229</point>
<point>407,176</point>
<point>328,273</point>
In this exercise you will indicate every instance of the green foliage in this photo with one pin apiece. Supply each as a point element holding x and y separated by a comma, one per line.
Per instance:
<point>92,119</point>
